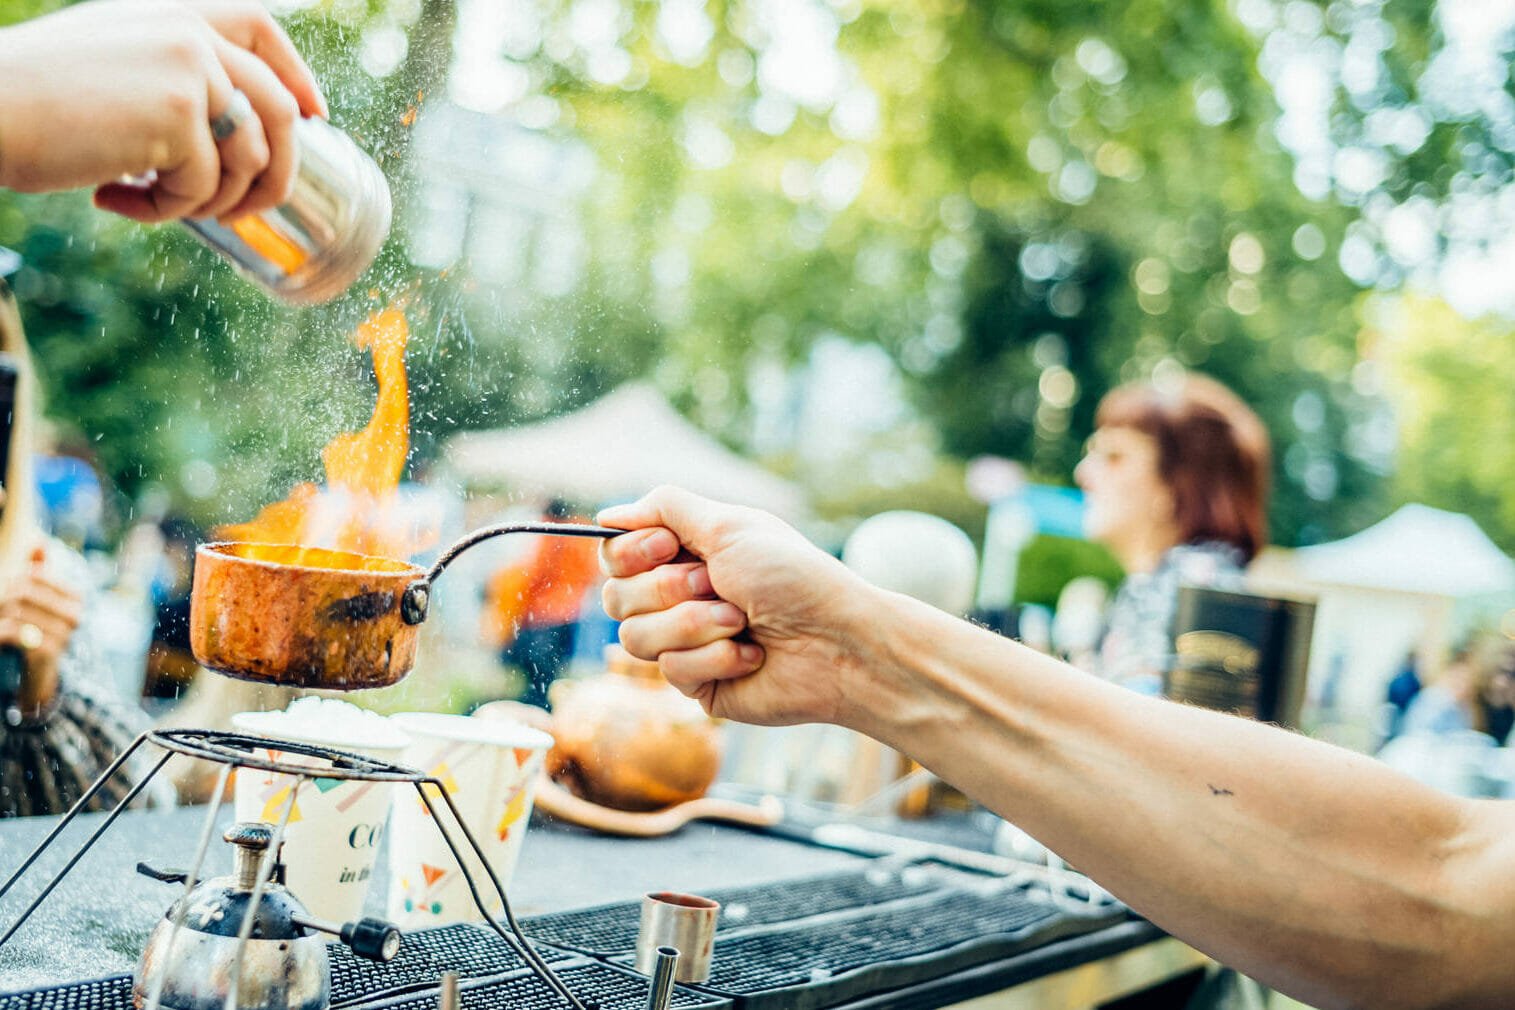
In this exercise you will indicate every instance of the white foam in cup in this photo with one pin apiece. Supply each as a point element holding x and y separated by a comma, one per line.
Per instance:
<point>489,769</point>
<point>335,826</point>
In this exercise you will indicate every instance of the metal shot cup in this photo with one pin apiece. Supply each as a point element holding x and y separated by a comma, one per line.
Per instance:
<point>313,247</point>
<point>685,922</point>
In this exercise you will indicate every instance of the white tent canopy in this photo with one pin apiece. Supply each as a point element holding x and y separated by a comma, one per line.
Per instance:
<point>1418,549</point>
<point>618,447</point>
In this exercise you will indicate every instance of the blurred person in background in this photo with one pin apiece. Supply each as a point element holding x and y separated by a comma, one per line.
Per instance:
<point>197,104</point>
<point>60,722</point>
<point>1452,701</point>
<point>1475,690</point>
<point>1402,689</point>
<point>73,495</point>
<point>170,662</point>
<point>532,606</point>
<point>1175,484</point>
<point>1450,732</point>
<point>1499,694</point>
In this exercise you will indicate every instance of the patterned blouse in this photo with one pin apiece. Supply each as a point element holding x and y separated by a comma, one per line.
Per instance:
<point>48,763</point>
<point>1138,641</point>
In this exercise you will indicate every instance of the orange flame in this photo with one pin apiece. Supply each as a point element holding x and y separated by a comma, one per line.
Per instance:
<point>355,510</point>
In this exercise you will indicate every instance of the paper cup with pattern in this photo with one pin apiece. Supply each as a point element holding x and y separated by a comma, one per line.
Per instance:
<point>335,827</point>
<point>489,768</point>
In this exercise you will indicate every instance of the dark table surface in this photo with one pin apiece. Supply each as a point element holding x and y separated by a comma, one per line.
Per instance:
<point>98,919</point>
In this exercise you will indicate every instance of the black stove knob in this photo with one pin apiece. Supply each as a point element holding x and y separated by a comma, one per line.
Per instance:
<point>372,938</point>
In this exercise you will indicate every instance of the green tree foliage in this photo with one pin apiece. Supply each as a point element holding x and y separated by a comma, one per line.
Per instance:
<point>1054,200</point>
<point>1023,202</point>
<point>1450,381</point>
<point>1048,564</point>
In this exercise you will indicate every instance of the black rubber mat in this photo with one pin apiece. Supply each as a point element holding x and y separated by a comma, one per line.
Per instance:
<point>597,986</point>
<point>113,993</point>
<point>833,958</point>
<point>473,951</point>
<point>611,930</point>
<point>794,945</point>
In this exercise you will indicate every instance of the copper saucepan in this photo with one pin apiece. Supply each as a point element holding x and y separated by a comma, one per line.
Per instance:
<point>309,617</point>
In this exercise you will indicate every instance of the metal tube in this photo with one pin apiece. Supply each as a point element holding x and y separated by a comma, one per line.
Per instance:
<point>115,812</point>
<point>319,925</point>
<point>660,994</point>
<point>685,922</point>
<point>447,997</point>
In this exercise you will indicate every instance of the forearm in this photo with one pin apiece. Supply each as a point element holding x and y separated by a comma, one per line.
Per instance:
<point>29,101</point>
<point>8,134</point>
<point>1314,869</point>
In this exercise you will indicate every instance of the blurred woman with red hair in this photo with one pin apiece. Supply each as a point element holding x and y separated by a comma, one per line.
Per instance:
<point>1176,485</point>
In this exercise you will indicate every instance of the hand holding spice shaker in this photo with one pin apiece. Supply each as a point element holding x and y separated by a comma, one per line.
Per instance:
<point>312,247</point>
<point>146,83</point>
<point>196,110</point>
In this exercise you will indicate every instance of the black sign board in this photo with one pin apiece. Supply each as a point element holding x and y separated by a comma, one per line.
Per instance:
<point>1240,652</point>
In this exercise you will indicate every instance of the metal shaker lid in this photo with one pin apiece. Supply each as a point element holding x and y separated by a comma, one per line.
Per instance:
<point>343,187</point>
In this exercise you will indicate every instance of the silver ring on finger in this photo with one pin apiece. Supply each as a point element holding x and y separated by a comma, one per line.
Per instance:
<point>234,115</point>
<point>29,637</point>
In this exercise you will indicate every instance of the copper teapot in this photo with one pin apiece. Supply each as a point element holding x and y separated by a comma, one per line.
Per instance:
<point>627,739</point>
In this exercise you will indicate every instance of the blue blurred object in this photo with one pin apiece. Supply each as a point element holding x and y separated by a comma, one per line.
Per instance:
<point>72,500</point>
<point>1059,511</point>
<point>595,631</point>
<point>1014,521</point>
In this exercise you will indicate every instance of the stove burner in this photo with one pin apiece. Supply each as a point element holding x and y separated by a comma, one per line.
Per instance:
<point>237,749</point>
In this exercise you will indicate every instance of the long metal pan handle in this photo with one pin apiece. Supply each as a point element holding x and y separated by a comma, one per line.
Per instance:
<point>417,599</point>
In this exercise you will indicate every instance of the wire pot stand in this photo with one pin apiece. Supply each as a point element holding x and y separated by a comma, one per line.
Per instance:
<point>236,750</point>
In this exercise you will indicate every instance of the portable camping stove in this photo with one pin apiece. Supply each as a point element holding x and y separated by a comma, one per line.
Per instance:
<point>223,967</point>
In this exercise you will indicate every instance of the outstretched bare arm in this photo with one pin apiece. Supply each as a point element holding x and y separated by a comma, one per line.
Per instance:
<point>1317,871</point>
